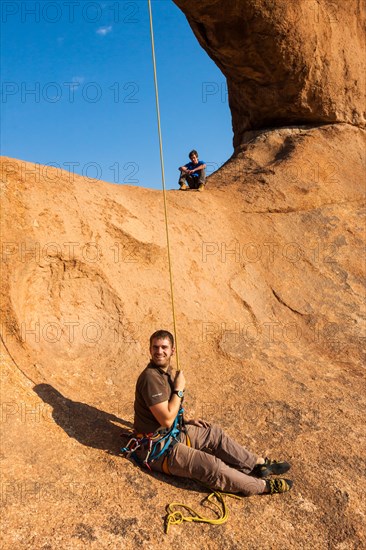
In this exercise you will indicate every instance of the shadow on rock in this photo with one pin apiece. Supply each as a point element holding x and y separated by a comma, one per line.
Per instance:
<point>95,428</point>
<point>86,424</point>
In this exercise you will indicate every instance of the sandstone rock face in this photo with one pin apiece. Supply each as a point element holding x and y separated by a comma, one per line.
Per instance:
<point>269,287</point>
<point>286,62</point>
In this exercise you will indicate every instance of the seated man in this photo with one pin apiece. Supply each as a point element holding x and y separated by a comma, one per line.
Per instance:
<point>193,449</point>
<point>193,173</point>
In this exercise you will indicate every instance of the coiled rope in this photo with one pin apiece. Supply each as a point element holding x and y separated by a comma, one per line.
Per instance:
<point>176,517</point>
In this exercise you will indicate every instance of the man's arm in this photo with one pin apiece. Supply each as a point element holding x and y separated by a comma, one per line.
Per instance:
<point>166,411</point>
<point>201,167</point>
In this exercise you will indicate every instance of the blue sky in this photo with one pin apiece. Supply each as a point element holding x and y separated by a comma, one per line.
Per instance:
<point>78,92</point>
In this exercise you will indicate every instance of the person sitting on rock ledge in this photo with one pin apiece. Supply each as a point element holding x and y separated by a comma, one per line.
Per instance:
<point>165,442</point>
<point>193,173</point>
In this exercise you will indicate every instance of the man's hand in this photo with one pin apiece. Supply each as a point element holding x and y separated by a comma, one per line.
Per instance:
<point>198,422</point>
<point>179,381</point>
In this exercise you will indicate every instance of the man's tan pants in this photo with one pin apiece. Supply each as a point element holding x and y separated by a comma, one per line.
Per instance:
<point>215,460</point>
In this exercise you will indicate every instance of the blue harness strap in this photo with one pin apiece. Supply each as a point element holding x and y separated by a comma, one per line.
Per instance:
<point>156,446</point>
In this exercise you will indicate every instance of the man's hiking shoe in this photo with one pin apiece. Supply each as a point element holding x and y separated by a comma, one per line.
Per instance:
<point>270,468</point>
<point>201,187</point>
<point>183,187</point>
<point>278,485</point>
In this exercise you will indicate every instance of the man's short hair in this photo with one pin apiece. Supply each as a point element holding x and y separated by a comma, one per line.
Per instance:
<point>160,335</point>
<point>193,152</point>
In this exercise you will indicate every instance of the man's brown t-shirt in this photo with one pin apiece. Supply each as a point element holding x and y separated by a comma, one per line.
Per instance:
<point>153,386</point>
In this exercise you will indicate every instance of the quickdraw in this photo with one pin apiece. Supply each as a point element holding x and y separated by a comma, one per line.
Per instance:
<point>156,444</point>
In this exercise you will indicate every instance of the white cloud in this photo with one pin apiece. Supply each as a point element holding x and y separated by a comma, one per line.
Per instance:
<point>102,31</point>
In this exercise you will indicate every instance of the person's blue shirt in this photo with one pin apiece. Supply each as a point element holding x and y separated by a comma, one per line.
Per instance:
<point>193,166</point>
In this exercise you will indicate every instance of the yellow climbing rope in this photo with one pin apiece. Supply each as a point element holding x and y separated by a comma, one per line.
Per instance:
<point>176,517</point>
<point>163,182</point>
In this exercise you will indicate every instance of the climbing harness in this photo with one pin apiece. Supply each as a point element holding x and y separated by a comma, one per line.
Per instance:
<point>156,444</point>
